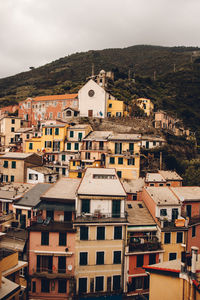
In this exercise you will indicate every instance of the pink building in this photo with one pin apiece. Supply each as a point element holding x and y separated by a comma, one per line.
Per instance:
<point>52,243</point>
<point>46,107</point>
<point>163,178</point>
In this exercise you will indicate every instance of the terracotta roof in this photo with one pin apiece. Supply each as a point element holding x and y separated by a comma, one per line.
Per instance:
<point>55,97</point>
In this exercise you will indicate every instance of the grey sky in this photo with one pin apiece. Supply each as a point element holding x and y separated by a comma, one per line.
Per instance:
<point>35,32</point>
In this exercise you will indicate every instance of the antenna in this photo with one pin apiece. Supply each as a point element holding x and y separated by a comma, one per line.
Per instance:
<point>92,70</point>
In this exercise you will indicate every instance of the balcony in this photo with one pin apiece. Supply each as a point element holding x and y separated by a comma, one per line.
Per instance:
<point>52,273</point>
<point>144,244</point>
<point>94,148</point>
<point>100,217</point>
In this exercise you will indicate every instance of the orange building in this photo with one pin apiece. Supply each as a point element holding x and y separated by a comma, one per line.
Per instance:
<point>46,107</point>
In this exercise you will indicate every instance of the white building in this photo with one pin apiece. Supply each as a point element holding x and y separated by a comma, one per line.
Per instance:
<point>41,175</point>
<point>92,100</point>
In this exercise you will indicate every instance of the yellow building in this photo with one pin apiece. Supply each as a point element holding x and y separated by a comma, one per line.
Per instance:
<point>8,127</point>
<point>10,274</point>
<point>124,155</point>
<point>116,108</point>
<point>77,167</point>
<point>167,281</point>
<point>101,224</point>
<point>172,240</point>
<point>13,165</point>
<point>33,145</point>
<point>75,135</point>
<point>146,105</point>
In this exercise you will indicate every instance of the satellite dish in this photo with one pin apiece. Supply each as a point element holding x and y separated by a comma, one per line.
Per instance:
<point>69,267</point>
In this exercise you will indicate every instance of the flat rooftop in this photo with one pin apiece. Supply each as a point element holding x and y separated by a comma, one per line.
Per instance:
<point>101,181</point>
<point>170,175</point>
<point>138,213</point>
<point>154,177</point>
<point>13,191</point>
<point>98,136</point>
<point>133,186</point>
<point>163,196</point>
<point>187,193</point>
<point>65,188</point>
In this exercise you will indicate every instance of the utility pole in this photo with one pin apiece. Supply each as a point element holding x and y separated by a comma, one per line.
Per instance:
<point>154,75</point>
<point>160,160</point>
<point>174,68</point>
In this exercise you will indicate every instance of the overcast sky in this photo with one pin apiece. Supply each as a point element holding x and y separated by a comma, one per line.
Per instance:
<point>36,32</point>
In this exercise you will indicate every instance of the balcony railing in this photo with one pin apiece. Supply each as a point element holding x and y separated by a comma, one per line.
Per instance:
<point>100,216</point>
<point>94,147</point>
<point>52,272</point>
<point>146,246</point>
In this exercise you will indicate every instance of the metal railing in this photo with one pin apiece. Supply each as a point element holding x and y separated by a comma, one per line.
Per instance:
<point>100,215</point>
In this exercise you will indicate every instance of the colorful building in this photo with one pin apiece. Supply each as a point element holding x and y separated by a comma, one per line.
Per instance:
<point>52,243</point>
<point>146,105</point>
<point>143,247</point>
<point>12,162</point>
<point>124,155</point>
<point>100,223</point>
<point>46,107</point>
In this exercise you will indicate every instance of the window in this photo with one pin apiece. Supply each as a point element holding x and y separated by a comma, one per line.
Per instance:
<point>12,129</point>
<point>50,115</point>
<point>101,233</point>
<point>47,144</point>
<point>63,157</point>
<point>131,161</point>
<point>44,263</point>
<point>152,259</point>
<point>67,216</point>
<point>160,184</point>
<point>56,131</point>
<point>179,237</point>
<point>117,257</point>
<point>13,121</point>
<point>167,238</point>
<point>71,134</point>
<point>68,146</point>
<point>85,206</point>
<point>45,238</point>
<point>48,131</point>
<point>116,208</point>
<point>63,171</point>
<point>172,256</point>
<point>79,175</point>
<point>59,114</point>
<point>5,178</point>
<point>34,287</point>
<point>118,148</point>
<point>82,285</point>
<point>131,147</point>
<point>62,239</point>
<point>45,284</point>
<point>193,231</point>
<point>62,286</point>
<point>50,214</point>
<point>12,178</point>
<point>61,264</point>
<point>112,160</point>
<point>163,212</point>
<point>99,283</point>
<point>140,260</point>
<point>76,146</point>
<point>84,233</point>
<point>29,214</point>
<point>151,184</point>
<point>100,258</point>
<point>117,232</point>
<point>116,282</point>
<point>83,258</point>
<point>5,165</point>
<point>120,161</point>
<point>189,210</point>
<point>110,105</point>
<point>30,146</point>
<point>119,174</point>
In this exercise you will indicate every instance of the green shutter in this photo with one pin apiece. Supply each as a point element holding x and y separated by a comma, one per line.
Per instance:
<point>50,131</point>
<point>68,146</point>
<point>56,131</point>
<point>76,146</point>
<point>45,131</point>
<point>131,146</point>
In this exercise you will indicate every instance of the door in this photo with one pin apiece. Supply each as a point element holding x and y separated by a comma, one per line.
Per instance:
<point>23,221</point>
<point>90,113</point>
<point>189,210</point>
<point>80,135</point>
<point>174,213</point>
<point>116,205</point>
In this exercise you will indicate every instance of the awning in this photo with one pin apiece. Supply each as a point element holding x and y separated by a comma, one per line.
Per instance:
<point>141,228</point>
<point>57,206</point>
